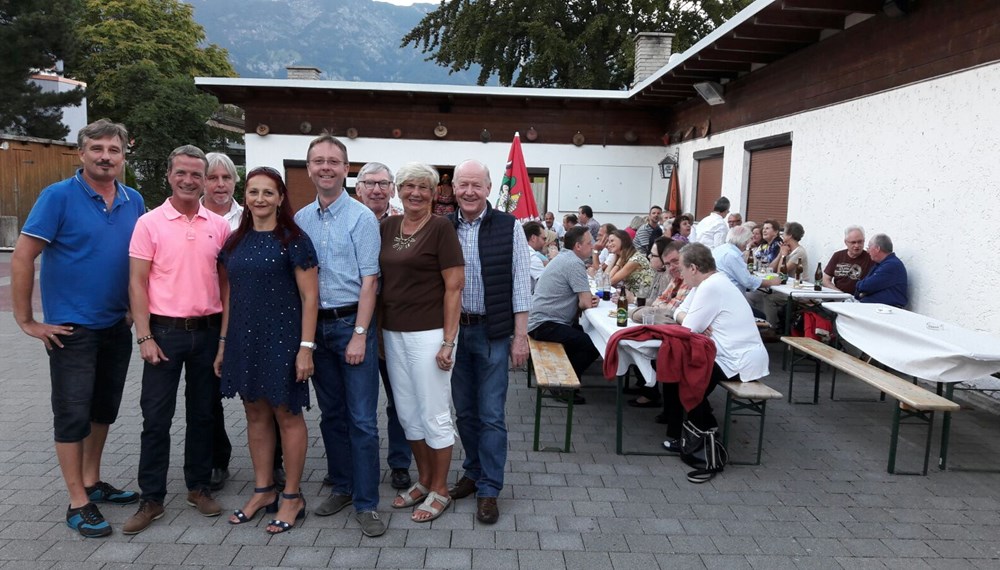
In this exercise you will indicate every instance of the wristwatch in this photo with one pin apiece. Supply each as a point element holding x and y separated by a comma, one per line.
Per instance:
<point>360,330</point>
<point>309,345</point>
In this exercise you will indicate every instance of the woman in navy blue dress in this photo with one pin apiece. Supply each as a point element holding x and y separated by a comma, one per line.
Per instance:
<point>270,290</point>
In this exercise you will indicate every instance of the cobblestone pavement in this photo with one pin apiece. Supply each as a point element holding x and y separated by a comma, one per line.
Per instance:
<point>821,498</point>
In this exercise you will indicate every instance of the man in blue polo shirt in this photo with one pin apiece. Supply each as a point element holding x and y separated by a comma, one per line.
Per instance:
<point>81,227</point>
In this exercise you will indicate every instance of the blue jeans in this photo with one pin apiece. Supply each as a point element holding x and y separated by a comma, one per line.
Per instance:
<point>348,402</point>
<point>194,351</point>
<point>400,453</point>
<point>479,392</point>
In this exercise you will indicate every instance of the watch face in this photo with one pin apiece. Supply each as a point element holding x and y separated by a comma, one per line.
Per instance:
<point>359,330</point>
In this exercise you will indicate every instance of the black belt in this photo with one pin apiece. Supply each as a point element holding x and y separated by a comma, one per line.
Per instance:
<point>339,312</point>
<point>471,319</point>
<point>187,323</point>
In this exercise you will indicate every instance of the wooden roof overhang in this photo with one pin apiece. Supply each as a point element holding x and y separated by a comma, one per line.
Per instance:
<point>764,32</point>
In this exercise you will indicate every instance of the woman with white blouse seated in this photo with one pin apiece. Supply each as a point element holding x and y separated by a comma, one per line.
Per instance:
<point>718,310</point>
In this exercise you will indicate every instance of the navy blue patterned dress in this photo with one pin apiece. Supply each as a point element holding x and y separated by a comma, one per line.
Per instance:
<point>265,320</point>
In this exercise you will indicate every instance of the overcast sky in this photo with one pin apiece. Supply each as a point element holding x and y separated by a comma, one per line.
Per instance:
<point>409,2</point>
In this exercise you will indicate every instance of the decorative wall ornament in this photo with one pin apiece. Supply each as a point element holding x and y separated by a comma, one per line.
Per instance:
<point>579,139</point>
<point>263,129</point>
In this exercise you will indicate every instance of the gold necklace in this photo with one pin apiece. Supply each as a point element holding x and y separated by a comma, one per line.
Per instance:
<point>400,243</point>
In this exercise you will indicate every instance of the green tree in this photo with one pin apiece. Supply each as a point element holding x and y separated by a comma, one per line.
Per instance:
<point>559,43</point>
<point>139,61</point>
<point>34,35</point>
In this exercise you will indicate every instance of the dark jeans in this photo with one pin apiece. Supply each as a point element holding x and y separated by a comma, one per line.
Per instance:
<point>88,376</point>
<point>579,348</point>
<point>194,351</point>
<point>400,453</point>
<point>701,416</point>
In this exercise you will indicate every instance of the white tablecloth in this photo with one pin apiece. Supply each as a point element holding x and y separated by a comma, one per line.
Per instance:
<point>807,292</point>
<point>599,326</point>
<point>915,344</point>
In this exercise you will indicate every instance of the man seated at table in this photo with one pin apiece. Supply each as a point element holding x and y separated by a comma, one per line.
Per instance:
<point>561,293</point>
<point>886,283</point>
<point>848,266</point>
<point>729,260</point>
<point>716,309</point>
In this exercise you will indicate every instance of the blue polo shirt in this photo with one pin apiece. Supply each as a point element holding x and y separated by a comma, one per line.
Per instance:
<point>84,275</point>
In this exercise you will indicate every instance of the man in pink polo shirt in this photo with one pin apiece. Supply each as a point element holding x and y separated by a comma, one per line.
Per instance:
<point>174,292</point>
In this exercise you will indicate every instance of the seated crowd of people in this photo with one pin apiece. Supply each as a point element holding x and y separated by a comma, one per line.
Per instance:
<point>432,301</point>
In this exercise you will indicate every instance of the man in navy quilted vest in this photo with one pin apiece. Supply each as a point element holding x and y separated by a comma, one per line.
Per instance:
<point>494,328</point>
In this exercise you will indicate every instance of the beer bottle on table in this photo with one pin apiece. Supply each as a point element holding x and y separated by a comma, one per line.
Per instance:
<point>783,270</point>
<point>798,274</point>
<point>818,283</point>
<point>622,308</point>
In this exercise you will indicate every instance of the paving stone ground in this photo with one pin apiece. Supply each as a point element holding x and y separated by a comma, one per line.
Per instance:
<point>821,498</point>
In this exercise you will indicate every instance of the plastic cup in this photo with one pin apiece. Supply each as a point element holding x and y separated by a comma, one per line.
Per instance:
<point>647,318</point>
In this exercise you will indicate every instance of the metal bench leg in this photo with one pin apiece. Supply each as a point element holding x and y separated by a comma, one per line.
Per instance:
<point>927,445</point>
<point>538,415</point>
<point>528,375</point>
<point>894,440</point>
<point>725,424</point>
<point>816,383</point>
<point>949,392</point>
<point>619,398</point>
<point>569,422</point>
<point>791,373</point>
<point>760,433</point>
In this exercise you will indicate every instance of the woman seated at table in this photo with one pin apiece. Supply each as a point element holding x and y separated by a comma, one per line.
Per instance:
<point>634,225</point>
<point>792,252</point>
<point>631,267</point>
<point>716,309</point>
<point>770,243</point>
<point>680,228</point>
<point>419,305</point>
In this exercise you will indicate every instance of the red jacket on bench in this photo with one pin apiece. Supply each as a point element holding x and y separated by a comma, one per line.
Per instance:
<point>684,357</point>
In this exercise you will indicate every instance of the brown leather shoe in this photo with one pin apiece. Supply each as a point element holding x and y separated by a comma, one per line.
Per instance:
<point>148,512</point>
<point>486,510</point>
<point>202,500</point>
<point>463,488</point>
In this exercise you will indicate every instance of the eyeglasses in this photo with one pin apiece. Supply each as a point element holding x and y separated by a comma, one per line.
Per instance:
<point>318,162</point>
<point>371,184</point>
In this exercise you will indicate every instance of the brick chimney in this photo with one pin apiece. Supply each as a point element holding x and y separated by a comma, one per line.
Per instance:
<point>652,50</point>
<point>303,72</point>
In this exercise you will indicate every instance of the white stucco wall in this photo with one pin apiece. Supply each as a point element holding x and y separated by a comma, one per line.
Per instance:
<point>919,163</point>
<point>273,150</point>
<point>75,116</point>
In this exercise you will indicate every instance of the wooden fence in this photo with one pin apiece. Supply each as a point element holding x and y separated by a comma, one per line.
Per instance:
<point>27,166</point>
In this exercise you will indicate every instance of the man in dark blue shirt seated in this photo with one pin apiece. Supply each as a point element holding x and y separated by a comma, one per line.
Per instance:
<point>886,282</point>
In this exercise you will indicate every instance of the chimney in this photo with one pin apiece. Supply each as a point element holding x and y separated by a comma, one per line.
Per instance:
<point>303,72</point>
<point>652,50</point>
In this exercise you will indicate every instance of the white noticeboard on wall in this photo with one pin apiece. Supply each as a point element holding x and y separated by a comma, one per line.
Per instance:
<point>613,189</point>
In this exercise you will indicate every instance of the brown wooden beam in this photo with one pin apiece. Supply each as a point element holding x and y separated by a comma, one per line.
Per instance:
<point>756,46</point>
<point>843,6</point>
<point>702,74</point>
<point>714,65</point>
<point>712,54</point>
<point>775,33</point>
<point>801,19</point>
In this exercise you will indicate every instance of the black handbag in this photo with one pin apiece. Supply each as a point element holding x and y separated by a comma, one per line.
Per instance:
<point>703,451</point>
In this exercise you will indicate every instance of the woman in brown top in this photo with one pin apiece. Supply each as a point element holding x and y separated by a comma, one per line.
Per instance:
<point>423,272</point>
<point>444,198</point>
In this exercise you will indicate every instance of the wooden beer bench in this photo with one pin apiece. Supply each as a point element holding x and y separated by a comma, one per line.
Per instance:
<point>553,371</point>
<point>746,399</point>
<point>914,401</point>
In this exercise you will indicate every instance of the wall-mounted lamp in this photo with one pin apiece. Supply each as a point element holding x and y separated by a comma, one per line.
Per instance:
<point>710,91</point>
<point>667,166</point>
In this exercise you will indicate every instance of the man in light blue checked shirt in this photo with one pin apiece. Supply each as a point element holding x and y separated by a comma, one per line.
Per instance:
<point>346,237</point>
<point>494,328</point>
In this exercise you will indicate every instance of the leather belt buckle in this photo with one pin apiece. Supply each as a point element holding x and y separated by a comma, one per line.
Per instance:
<point>191,324</point>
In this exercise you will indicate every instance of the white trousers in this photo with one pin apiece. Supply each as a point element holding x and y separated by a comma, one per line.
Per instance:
<point>421,390</point>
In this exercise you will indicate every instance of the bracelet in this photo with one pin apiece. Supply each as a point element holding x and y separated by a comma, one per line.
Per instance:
<point>222,339</point>
<point>143,339</point>
<point>448,344</point>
